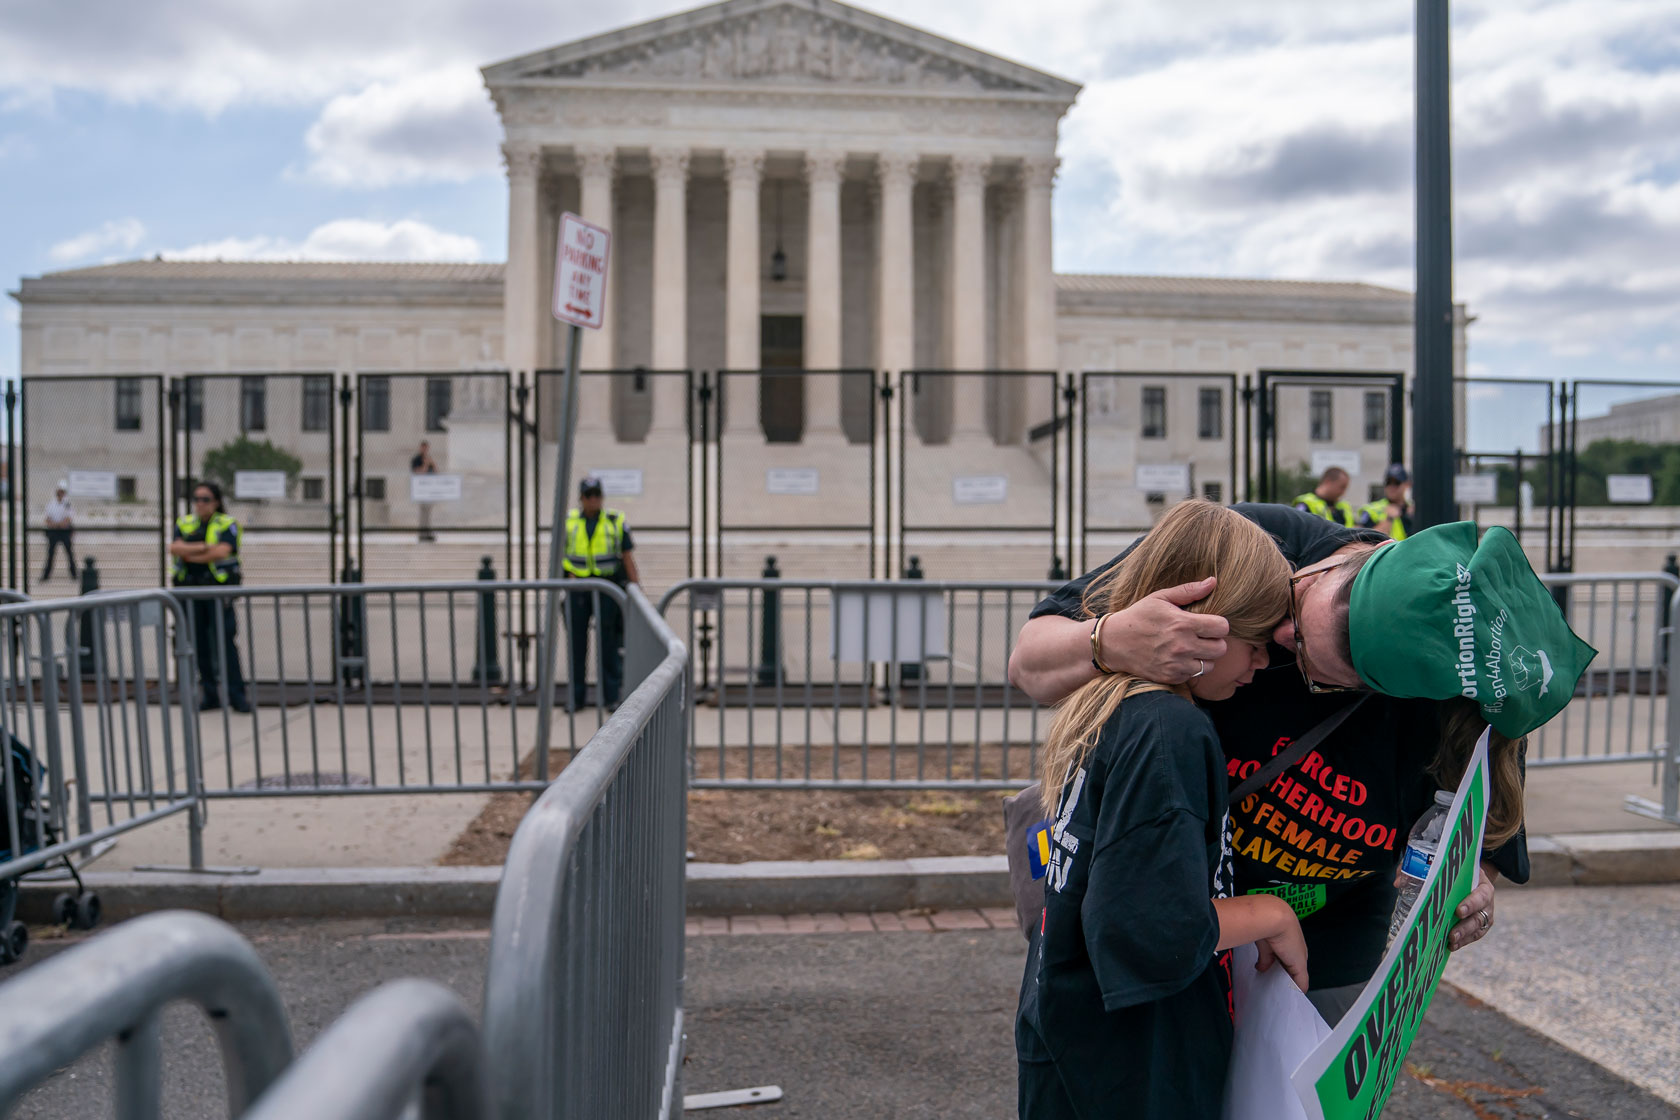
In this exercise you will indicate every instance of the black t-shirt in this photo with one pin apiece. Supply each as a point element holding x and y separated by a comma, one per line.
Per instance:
<point>418,465</point>
<point>1329,831</point>
<point>1123,988</point>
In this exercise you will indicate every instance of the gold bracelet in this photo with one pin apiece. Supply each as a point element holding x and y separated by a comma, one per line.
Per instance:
<point>1096,647</point>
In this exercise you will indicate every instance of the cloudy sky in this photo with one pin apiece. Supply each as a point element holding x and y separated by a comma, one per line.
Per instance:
<point>1222,137</point>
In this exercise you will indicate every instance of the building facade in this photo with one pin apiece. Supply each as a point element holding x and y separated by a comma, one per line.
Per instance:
<point>804,199</point>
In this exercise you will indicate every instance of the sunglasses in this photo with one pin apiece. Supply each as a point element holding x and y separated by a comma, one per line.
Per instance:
<point>1301,662</point>
<point>205,498</point>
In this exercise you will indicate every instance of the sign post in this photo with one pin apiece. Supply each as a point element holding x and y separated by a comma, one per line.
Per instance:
<point>580,298</point>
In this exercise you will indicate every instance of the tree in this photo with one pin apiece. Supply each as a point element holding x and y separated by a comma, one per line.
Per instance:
<point>245,454</point>
<point>1286,484</point>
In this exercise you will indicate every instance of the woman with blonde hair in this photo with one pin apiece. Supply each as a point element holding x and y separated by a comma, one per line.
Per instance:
<point>1125,1005</point>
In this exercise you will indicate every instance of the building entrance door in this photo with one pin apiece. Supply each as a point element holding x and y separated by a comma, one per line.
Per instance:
<point>781,345</point>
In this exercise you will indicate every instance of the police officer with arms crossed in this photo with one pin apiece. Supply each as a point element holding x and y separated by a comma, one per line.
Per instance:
<point>1391,513</point>
<point>598,546</point>
<point>206,554</point>
<point>1326,499</point>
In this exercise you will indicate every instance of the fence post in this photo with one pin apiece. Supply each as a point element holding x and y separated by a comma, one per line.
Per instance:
<point>352,631</point>
<point>911,672</point>
<point>1672,567</point>
<point>770,629</point>
<point>88,651</point>
<point>487,665</point>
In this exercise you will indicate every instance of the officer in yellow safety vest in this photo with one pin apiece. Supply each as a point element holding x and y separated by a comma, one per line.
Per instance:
<point>1326,500</point>
<point>1391,513</point>
<point>205,553</point>
<point>598,546</point>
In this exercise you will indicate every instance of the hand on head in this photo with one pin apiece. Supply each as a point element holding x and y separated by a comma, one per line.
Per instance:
<point>1158,640</point>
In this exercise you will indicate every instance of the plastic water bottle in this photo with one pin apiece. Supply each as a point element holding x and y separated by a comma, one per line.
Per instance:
<point>1420,853</point>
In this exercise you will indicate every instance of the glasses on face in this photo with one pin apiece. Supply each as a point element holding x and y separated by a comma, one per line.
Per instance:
<point>1301,662</point>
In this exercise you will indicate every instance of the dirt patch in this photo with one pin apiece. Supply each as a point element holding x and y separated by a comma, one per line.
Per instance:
<point>735,826</point>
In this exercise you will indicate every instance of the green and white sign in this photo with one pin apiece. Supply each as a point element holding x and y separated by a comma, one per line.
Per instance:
<point>1351,1073</point>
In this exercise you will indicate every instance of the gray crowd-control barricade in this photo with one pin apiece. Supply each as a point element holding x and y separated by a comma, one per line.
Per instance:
<point>1622,709</point>
<point>861,684</point>
<point>395,687</point>
<point>408,1042</point>
<point>113,989</point>
<point>583,1000</point>
<point>98,726</point>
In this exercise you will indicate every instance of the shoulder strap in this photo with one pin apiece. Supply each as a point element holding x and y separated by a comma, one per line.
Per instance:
<point>1296,750</point>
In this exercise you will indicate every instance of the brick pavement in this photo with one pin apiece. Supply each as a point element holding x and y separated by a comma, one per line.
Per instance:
<point>886,921</point>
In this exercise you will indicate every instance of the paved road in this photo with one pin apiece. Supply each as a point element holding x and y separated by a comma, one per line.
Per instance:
<point>851,1025</point>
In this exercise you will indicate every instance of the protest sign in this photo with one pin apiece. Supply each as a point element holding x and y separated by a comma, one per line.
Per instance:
<point>1351,1074</point>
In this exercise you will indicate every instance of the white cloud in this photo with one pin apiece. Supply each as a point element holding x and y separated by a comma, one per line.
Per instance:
<point>122,233</point>
<point>439,125</point>
<point>346,239</point>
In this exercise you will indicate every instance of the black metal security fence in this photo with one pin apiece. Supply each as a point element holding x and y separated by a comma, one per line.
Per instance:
<point>836,474</point>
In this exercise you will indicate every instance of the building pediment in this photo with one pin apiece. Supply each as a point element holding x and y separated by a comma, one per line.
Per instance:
<point>805,43</point>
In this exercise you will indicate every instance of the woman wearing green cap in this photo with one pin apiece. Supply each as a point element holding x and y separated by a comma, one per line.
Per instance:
<point>1327,832</point>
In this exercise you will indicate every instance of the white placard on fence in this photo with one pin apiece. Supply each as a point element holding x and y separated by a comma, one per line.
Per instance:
<point>259,484</point>
<point>1162,478</point>
<point>1475,489</point>
<point>434,488</point>
<point>93,484</point>
<point>790,480</point>
<point>1324,460</point>
<point>979,490</point>
<point>1632,489</point>
<point>920,632</point>
<point>619,482</point>
<point>580,272</point>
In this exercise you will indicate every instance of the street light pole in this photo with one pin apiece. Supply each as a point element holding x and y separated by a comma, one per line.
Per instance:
<point>1434,458</point>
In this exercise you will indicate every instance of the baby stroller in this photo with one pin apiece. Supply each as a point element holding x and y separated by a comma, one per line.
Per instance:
<point>24,784</point>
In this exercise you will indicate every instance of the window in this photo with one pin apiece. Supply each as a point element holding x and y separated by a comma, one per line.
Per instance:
<point>317,403</point>
<point>1376,417</point>
<point>373,489</point>
<point>128,404</point>
<point>191,416</point>
<point>376,404</point>
<point>1213,492</point>
<point>1210,414</point>
<point>1154,412</point>
<point>437,402</point>
<point>253,404</point>
<point>1318,408</point>
<point>127,491</point>
<point>314,489</point>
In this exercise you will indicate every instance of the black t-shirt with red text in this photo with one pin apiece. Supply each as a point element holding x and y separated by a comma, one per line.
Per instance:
<point>1328,832</point>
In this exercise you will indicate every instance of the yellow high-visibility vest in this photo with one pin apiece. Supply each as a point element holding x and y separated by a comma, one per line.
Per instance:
<point>1341,513</point>
<point>600,554</point>
<point>220,570</point>
<point>1376,511</point>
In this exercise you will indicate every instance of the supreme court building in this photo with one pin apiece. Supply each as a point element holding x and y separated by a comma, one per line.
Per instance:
<point>831,231</point>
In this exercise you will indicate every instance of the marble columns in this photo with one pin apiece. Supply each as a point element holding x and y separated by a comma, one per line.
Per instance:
<point>823,172</point>
<point>966,327</point>
<point>670,284</point>
<point>895,337</point>
<point>1038,279</point>
<point>744,171</point>
<point>521,296</point>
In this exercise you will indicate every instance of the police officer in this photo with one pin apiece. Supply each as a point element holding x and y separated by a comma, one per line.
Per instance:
<point>1326,500</point>
<point>206,554</point>
<point>598,546</point>
<point>1391,513</point>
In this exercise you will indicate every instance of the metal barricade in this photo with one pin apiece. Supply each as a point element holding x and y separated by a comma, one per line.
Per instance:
<point>835,684</point>
<point>583,1000</point>
<point>409,1040</point>
<point>1622,709</point>
<point>395,687</point>
<point>96,723</point>
<point>114,988</point>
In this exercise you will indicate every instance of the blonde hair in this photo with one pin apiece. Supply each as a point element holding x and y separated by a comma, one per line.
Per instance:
<point>1462,725</point>
<point>1196,539</point>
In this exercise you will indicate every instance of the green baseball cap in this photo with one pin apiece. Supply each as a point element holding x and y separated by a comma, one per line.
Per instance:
<point>1439,615</point>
